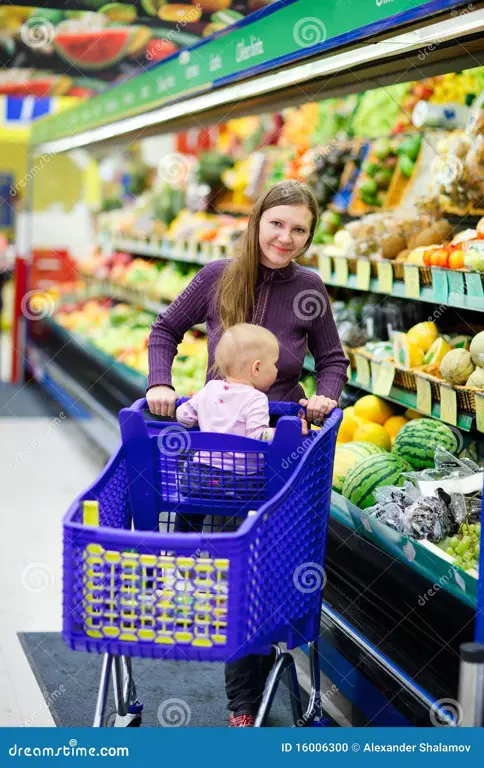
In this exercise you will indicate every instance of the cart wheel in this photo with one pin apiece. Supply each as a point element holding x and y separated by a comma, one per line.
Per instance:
<point>131,720</point>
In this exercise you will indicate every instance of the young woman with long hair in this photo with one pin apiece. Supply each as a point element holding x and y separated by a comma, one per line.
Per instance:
<point>266,286</point>
<point>263,285</point>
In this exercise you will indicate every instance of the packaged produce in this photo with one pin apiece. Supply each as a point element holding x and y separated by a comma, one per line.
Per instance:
<point>430,517</point>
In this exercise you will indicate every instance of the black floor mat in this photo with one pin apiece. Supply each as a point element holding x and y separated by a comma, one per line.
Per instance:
<point>69,682</point>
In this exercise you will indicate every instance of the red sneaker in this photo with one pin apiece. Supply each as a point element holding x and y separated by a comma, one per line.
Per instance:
<point>241,721</point>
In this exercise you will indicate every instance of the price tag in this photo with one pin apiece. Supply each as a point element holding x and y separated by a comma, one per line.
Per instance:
<point>424,395</point>
<point>385,277</point>
<point>474,285</point>
<point>412,281</point>
<point>384,382</point>
<point>480,411</point>
<point>375,372</point>
<point>448,404</point>
<point>363,275</point>
<point>456,286</point>
<point>341,271</point>
<point>325,268</point>
<point>362,371</point>
<point>441,286</point>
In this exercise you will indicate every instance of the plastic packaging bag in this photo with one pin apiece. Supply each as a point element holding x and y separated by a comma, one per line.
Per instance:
<point>430,517</point>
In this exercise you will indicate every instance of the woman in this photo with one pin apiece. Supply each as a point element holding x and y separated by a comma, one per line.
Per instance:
<point>262,285</point>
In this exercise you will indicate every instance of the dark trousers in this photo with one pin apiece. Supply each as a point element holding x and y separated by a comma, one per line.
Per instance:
<point>245,679</point>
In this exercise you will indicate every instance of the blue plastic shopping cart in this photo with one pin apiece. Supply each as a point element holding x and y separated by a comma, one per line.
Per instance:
<point>251,578</point>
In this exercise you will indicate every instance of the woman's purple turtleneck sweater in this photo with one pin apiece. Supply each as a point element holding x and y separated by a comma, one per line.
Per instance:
<point>291,302</point>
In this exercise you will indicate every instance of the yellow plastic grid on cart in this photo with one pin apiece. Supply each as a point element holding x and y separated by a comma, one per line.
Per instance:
<point>164,599</point>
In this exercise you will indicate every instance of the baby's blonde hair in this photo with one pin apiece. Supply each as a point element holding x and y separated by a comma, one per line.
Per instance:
<point>242,344</point>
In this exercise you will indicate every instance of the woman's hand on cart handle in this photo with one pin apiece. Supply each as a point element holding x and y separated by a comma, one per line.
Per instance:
<point>317,407</point>
<point>162,401</point>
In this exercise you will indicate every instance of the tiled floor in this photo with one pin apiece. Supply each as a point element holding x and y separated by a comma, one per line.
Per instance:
<point>44,463</point>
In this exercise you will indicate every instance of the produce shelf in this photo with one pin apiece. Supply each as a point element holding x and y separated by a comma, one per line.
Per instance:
<point>408,399</point>
<point>97,288</point>
<point>427,293</point>
<point>196,253</point>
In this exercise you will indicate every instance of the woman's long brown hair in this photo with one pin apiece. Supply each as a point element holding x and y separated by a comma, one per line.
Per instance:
<point>235,294</point>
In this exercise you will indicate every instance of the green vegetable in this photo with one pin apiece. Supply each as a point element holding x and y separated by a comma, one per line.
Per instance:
<point>371,169</point>
<point>369,187</point>
<point>383,178</point>
<point>368,198</point>
<point>410,147</point>
<point>406,165</point>
<point>382,149</point>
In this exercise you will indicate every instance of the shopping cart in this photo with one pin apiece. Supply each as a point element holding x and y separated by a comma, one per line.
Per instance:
<point>251,578</point>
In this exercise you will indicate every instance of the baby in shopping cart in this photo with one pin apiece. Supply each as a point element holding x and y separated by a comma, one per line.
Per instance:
<point>246,358</point>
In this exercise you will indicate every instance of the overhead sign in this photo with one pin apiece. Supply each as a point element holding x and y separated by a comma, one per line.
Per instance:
<point>283,32</point>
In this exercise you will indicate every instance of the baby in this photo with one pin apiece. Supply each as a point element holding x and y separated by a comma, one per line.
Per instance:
<point>246,357</point>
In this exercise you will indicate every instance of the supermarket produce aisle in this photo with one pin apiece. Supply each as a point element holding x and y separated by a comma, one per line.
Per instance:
<point>45,463</point>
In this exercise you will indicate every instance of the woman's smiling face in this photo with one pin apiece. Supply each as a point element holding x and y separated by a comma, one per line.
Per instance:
<point>283,232</point>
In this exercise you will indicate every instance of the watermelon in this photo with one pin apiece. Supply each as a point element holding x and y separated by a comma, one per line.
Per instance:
<point>416,442</point>
<point>347,456</point>
<point>94,48</point>
<point>372,473</point>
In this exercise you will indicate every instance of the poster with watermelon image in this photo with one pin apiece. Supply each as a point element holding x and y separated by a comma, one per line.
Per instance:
<point>82,48</point>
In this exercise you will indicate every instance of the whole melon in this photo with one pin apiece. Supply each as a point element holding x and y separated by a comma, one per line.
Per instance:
<point>456,366</point>
<point>476,379</point>
<point>417,441</point>
<point>373,433</point>
<point>477,349</point>
<point>373,408</point>
<point>374,472</point>
<point>347,456</point>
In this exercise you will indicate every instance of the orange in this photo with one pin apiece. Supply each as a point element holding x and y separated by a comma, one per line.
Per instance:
<point>456,259</point>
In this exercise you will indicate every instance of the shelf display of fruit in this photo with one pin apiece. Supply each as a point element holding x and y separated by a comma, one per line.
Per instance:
<point>121,331</point>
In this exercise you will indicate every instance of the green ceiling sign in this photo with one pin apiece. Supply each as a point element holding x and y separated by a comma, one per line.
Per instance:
<point>287,33</point>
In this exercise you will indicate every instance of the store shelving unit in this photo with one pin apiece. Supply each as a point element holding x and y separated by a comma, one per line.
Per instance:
<point>377,44</point>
